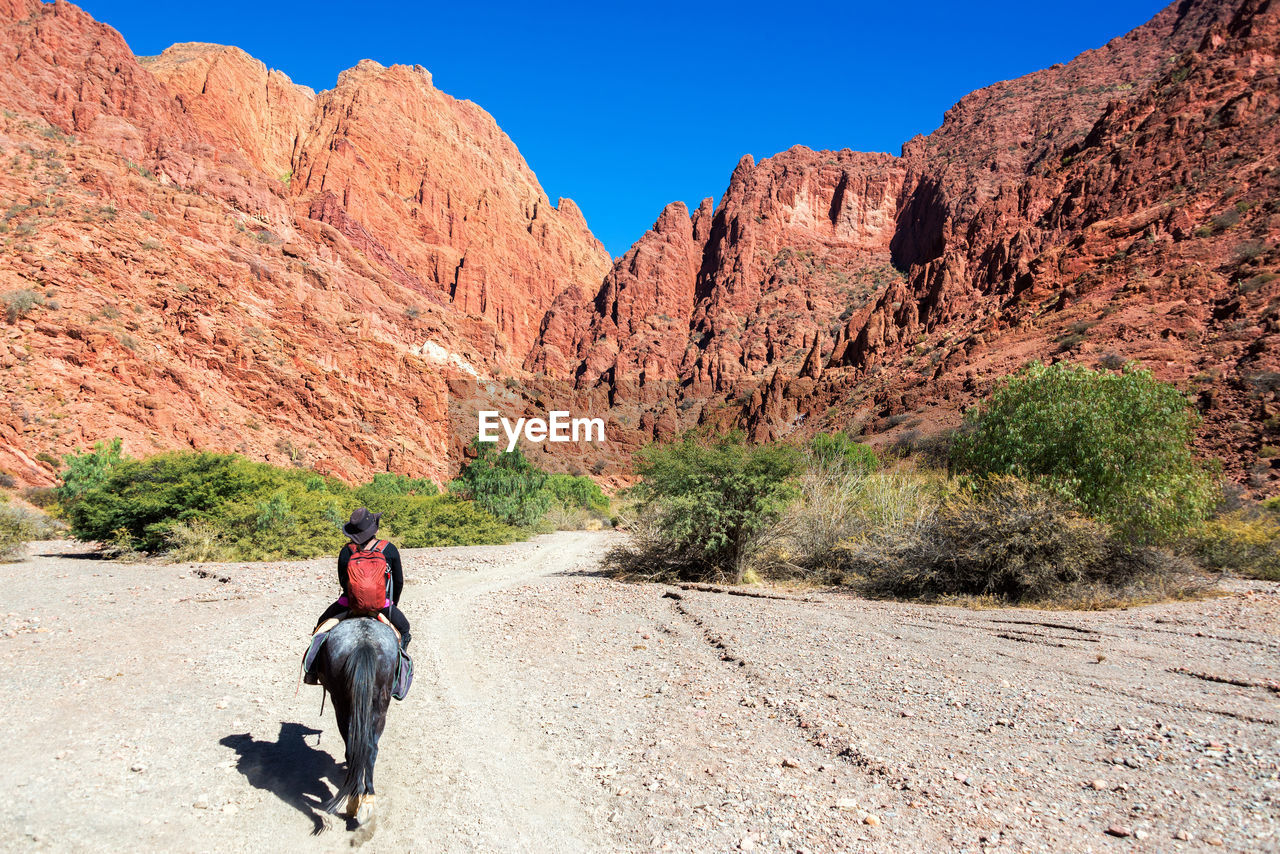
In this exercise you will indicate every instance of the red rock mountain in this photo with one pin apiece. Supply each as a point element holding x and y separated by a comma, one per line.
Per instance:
<point>1123,206</point>
<point>200,253</point>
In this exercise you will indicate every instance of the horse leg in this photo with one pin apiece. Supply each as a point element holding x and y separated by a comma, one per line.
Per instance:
<point>342,712</point>
<point>361,806</point>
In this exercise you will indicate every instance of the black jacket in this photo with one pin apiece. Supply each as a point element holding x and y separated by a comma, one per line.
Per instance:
<point>391,553</point>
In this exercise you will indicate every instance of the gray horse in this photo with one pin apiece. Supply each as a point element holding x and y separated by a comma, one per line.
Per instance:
<point>357,665</point>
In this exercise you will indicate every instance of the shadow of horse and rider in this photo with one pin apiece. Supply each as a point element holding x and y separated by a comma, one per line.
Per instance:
<point>295,771</point>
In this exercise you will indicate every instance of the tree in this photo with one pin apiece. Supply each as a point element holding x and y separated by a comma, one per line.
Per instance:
<point>505,483</point>
<point>713,497</point>
<point>1116,445</point>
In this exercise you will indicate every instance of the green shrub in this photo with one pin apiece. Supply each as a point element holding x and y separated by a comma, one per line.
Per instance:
<point>827,449</point>
<point>706,503</point>
<point>86,470</point>
<point>1246,541</point>
<point>1116,446</point>
<point>577,492</point>
<point>1011,541</point>
<point>204,506</point>
<point>441,520</point>
<point>504,483</point>
<point>386,483</point>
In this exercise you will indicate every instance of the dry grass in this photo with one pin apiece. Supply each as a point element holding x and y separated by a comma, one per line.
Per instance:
<point>196,541</point>
<point>1246,542</point>
<point>837,508</point>
<point>19,526</point>
<point>908,533</point>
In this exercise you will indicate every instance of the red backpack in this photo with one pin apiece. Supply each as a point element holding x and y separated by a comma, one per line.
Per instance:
<point>368,578</point>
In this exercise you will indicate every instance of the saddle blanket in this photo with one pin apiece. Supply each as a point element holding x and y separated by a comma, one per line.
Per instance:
<point>399,687</point>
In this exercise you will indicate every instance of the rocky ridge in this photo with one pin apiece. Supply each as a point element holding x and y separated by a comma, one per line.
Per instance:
<point>1119,207</point>
<point>200,253</point>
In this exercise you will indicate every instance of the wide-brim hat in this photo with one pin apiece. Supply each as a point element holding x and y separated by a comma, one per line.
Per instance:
<point>363,525</point>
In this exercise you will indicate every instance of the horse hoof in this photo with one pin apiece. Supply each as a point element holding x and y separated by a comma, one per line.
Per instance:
<point>360,808</point>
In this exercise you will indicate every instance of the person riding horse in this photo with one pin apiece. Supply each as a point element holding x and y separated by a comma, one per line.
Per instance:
<point>356,660</point>
<point>362,531</point>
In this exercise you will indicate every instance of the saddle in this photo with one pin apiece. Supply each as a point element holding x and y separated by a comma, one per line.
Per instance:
<point>404,664</point>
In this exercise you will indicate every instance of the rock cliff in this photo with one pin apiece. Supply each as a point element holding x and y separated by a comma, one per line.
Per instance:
<point>200,253</point>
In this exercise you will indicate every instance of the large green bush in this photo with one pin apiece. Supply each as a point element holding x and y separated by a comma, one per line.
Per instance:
<point>576,491</point>
<point>707,501</point>
<point>1115,445</point>
<point>205,506</point>
<point>519,493</point>
<point>504,483</point>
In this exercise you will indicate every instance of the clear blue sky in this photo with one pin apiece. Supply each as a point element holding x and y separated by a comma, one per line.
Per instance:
<point>625,107</point>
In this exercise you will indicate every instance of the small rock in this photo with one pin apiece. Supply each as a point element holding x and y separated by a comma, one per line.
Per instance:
<point>1119,830</point>
<point>788,762</point>
<point>846,804</point>
<point>221,704</point>
<point>138,767</point>
<point>1182,836</point>
<point>1215,841</point>
<point>907,713</point>
<point>746,844</point>
<point>873,821</point>
<point>201,802</point>
<point>1098,785</point>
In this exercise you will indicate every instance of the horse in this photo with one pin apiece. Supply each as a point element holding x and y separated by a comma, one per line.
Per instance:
<point>357,665</point>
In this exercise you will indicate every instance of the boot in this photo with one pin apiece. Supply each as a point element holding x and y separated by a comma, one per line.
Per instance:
<point>309,674</point>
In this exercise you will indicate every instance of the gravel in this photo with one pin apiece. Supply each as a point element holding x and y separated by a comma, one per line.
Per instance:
<point>158,707</point>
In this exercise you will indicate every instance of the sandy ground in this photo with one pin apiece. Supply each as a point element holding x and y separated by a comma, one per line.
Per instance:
<point>157,708</point>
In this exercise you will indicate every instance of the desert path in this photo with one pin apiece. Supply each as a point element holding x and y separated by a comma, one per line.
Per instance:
<point>156,708</point>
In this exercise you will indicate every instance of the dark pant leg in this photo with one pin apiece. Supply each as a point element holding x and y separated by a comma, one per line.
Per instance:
<point>400,621</point>
<point>332,611</point>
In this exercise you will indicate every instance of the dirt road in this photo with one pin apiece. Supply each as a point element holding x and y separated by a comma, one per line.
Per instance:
<point>154,708</point>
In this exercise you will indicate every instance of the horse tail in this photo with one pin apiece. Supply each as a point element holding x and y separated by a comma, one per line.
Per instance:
<point>359,673</point>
